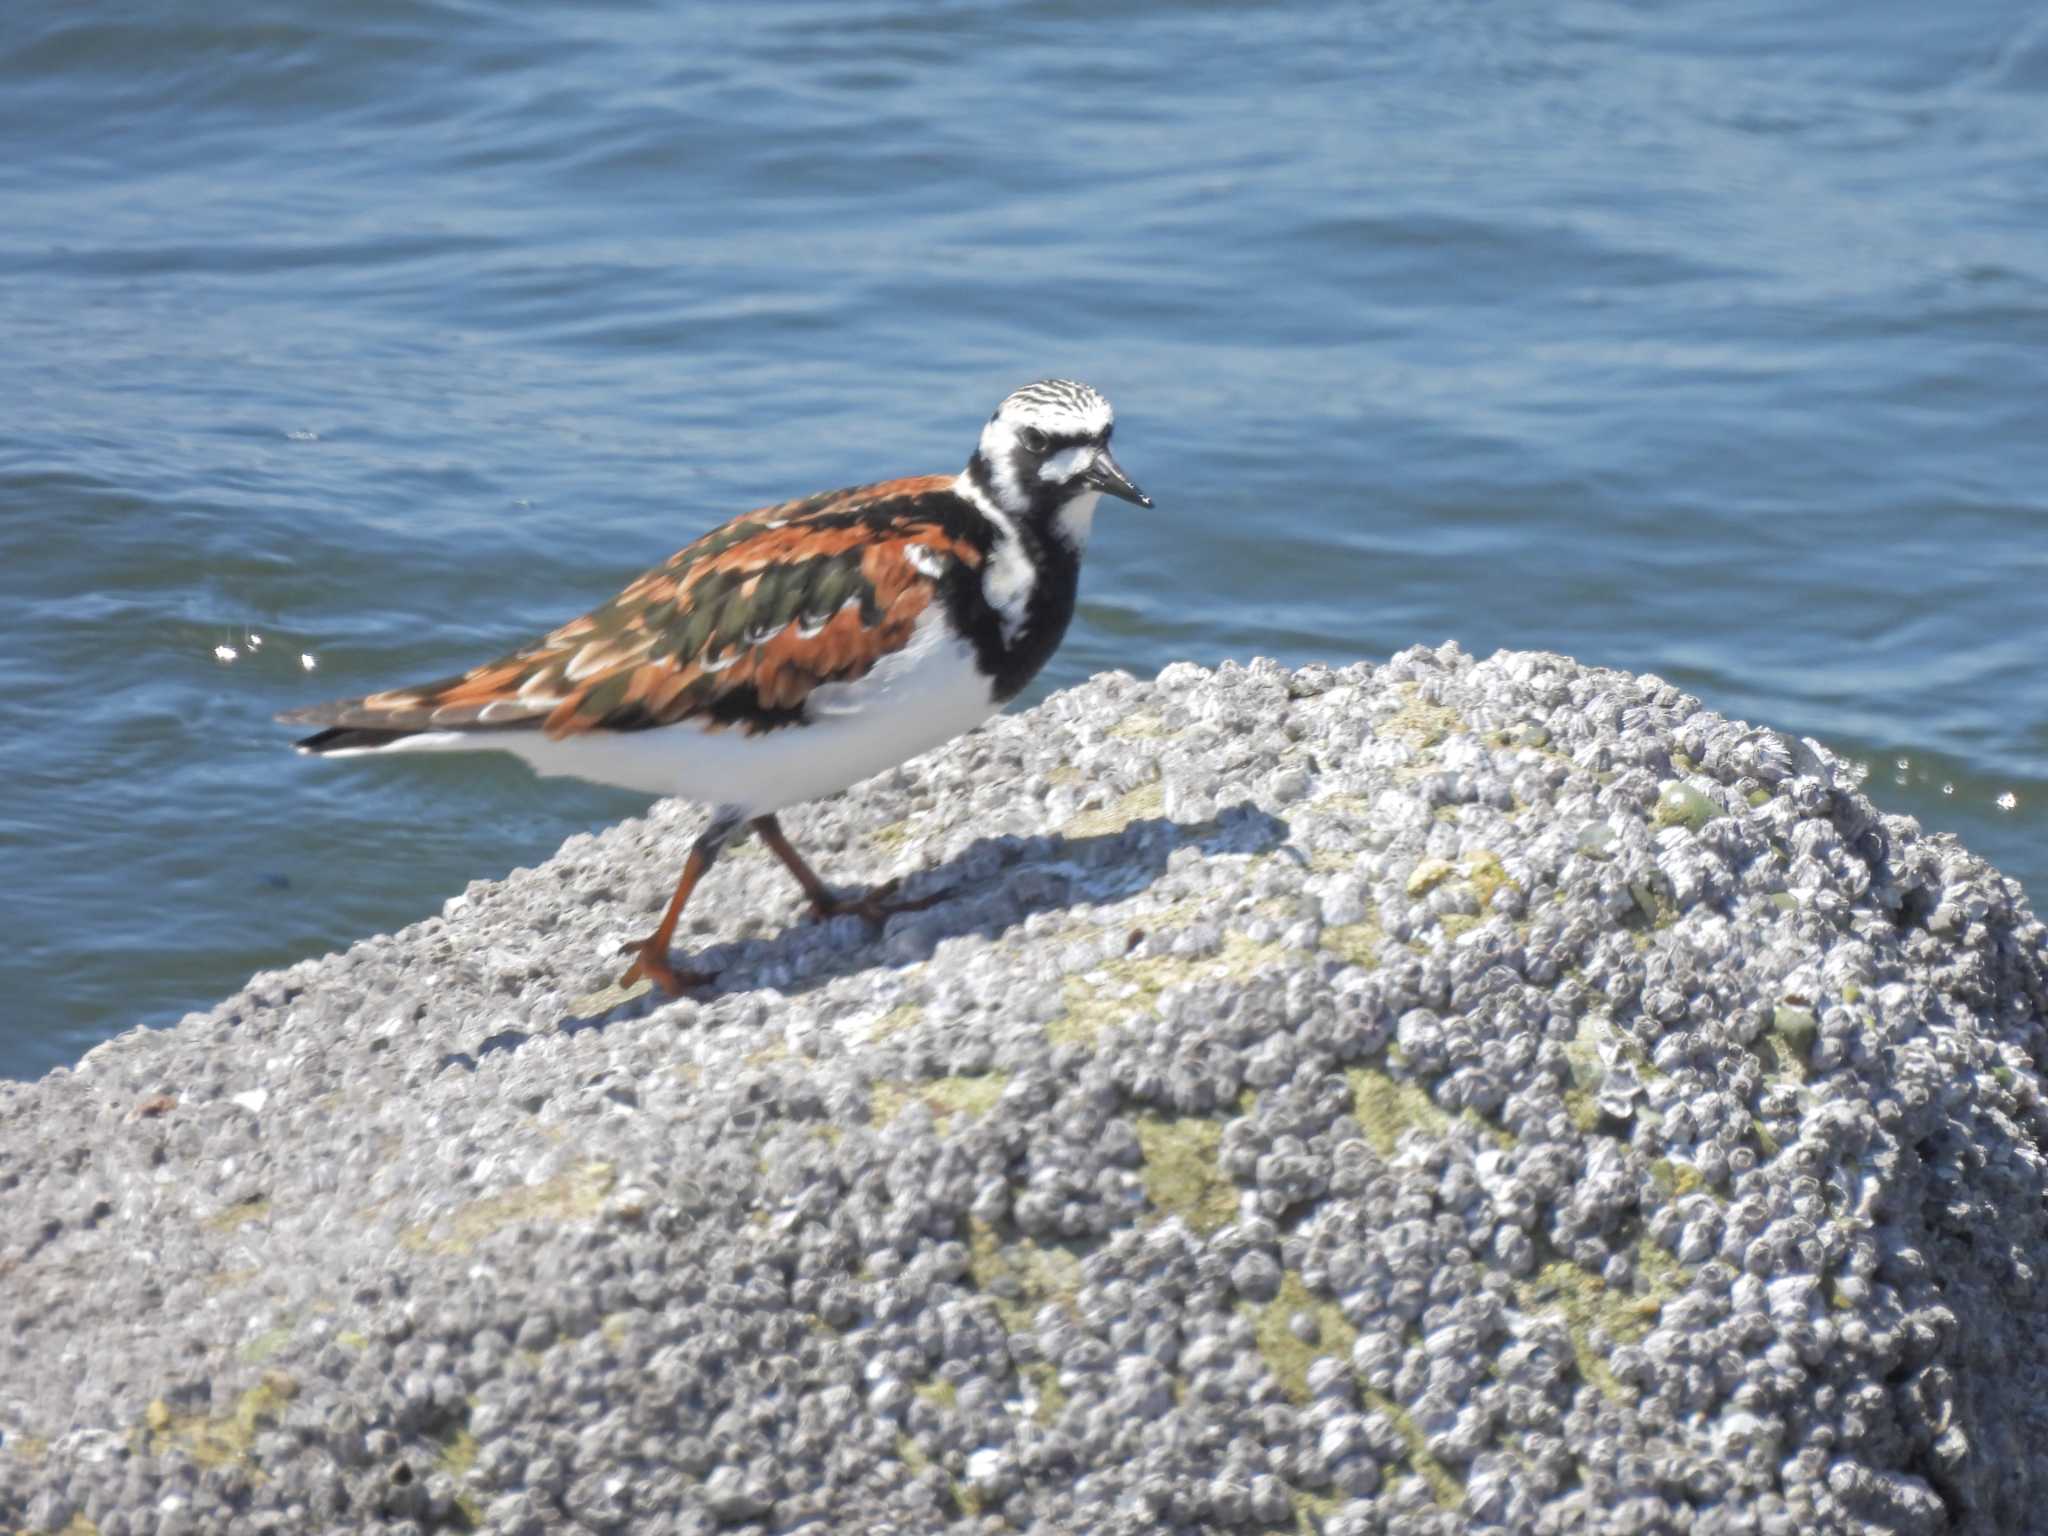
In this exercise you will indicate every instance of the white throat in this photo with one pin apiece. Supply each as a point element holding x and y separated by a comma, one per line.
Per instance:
<point>1076,520</point>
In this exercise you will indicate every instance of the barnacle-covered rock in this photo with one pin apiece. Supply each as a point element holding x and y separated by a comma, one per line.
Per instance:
<point>1441,1096</point>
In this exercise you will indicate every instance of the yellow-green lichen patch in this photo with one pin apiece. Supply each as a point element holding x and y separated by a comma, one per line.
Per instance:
<point>1479,871</point>
<point>1444,1485</point>
<point>945,1097</point>
<point>1312,1511</point>
<point>1142,726</point>
<point>1184,1174</point>
<point>1120,990</point>
<point>576,1194</point>
<point>917,1461</point>
<point>903,1016</point>
<point>1582,1058</point>
<point>1145,800</point>
<point>885,1102</point>
<point>1386,1106</point>
<point>266,1344</point>
<point>1343,805</point>
<point>1659,1274</point>
<point>242,1212</point>
<point>1488,876</point>
<point>968,1097</point>
<point>1420,723</point>
<point>1428,875</point>
<point>1045,1386</point>
<point>1582,1109</point>
<point>1530,738</point>
<point>211,1442</point>
<point>1455,925</point>
<point>458,1455</point>
<point>1287,1356</point>
<point>1584,1302</point>
<point>939,1392</point>
<point>458,1452</point>
<point>1672,1178</point>
<point>893,835</point>
<point>1359,943</point>
<point>912,1455</point>
<point>1018,1275</point>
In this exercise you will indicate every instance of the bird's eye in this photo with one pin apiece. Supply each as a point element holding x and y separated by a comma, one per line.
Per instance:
<point>1033,440</point>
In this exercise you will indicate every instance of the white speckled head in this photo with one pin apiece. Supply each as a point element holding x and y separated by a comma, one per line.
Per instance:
<point>1058,408</point>
<point>1048,445</point>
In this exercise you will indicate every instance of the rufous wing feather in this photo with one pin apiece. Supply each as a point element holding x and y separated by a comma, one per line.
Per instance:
<point>738,629</point>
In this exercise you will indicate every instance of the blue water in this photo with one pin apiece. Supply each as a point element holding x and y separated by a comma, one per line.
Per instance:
<point>1709,340</point>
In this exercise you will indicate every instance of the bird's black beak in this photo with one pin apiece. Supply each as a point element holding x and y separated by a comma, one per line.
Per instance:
<point>1105,474</point>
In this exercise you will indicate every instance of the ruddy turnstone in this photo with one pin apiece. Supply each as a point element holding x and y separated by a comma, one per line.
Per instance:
<point>794,651</point>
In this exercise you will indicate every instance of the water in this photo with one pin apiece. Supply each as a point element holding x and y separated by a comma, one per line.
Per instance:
<point>1706,340</point>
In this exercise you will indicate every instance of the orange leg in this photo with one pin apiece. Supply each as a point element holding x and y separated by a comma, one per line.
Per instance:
<point>875,906</point>
<point>652,962</point>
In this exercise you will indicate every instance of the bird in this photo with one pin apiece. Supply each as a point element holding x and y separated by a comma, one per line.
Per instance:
<point>791,652</point>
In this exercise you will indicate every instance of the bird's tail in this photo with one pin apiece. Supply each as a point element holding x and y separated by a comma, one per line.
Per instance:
<point>349,738</point>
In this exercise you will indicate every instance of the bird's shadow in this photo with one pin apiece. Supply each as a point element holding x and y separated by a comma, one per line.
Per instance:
<point>987,888</point>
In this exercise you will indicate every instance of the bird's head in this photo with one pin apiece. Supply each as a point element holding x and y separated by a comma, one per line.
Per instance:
<point>1047,446</point>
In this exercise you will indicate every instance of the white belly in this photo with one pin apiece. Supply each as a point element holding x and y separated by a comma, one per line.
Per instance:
<point>919,698</point>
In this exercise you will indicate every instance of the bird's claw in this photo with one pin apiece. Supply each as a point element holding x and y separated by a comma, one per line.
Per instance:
<point>652,965</point>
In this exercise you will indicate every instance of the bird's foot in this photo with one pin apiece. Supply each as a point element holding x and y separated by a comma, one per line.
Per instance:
<point>652,965</point>
<point>877,906</point>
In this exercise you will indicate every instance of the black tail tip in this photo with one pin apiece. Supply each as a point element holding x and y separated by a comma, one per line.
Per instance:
<point>346,738</point>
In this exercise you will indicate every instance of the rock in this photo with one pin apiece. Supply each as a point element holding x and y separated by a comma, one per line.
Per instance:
<point>1431,1097</point>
